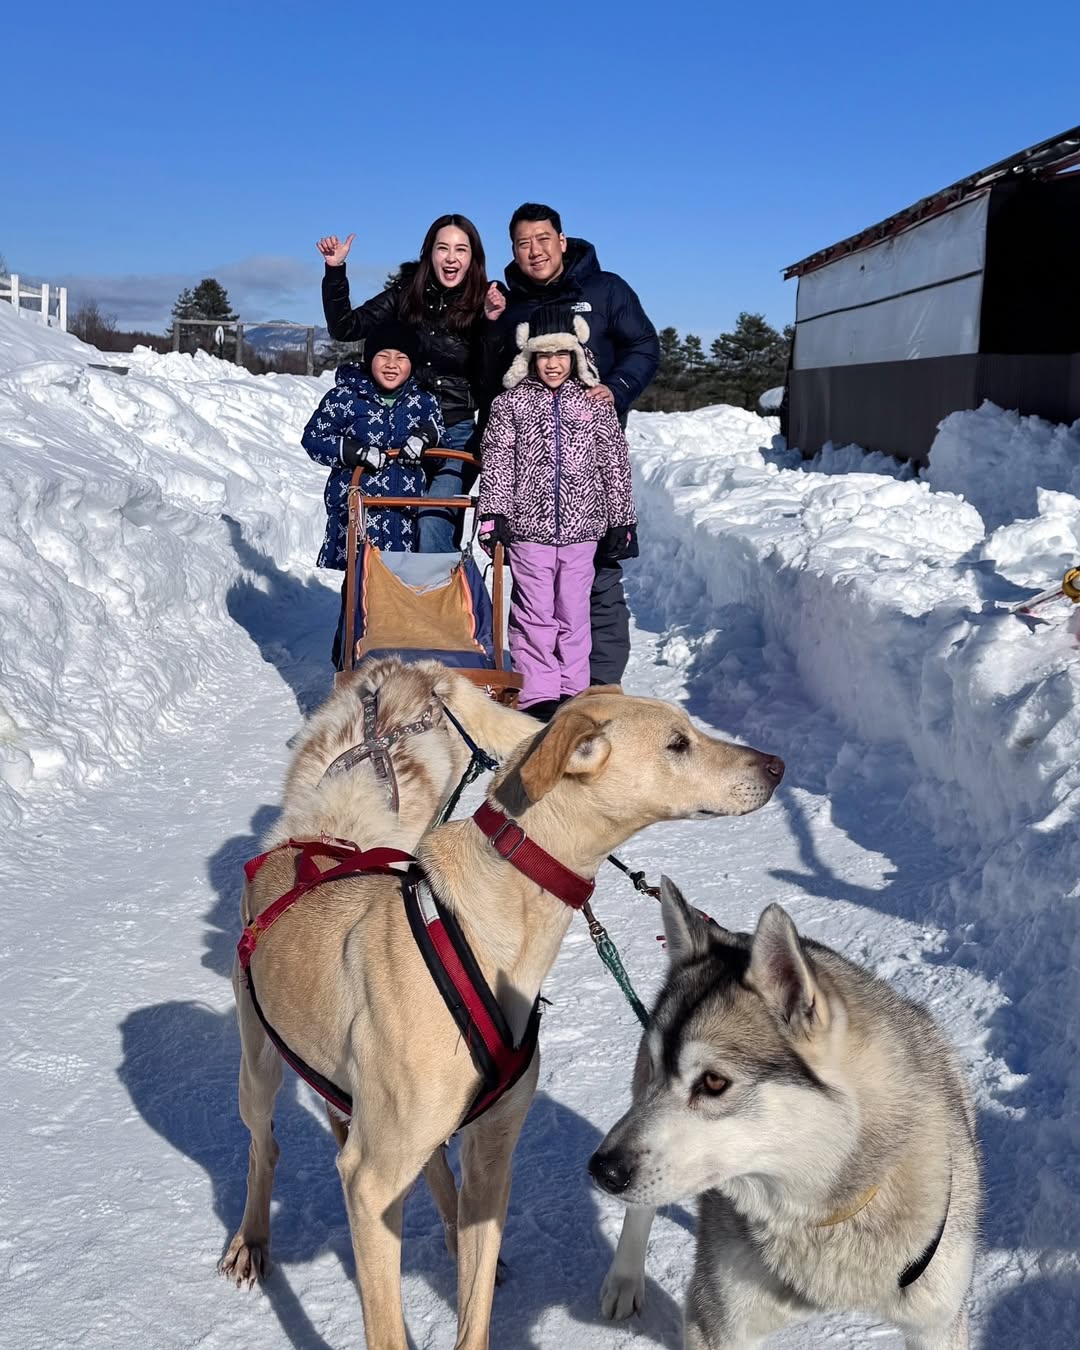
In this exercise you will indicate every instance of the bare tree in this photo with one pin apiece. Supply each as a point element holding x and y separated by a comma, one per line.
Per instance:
<point>88,323</point>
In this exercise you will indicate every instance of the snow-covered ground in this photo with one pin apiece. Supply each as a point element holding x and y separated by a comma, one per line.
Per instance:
<point>161,632</point>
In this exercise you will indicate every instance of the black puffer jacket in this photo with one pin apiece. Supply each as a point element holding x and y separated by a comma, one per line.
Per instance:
<point>449,362</point>
<point>621,338</point>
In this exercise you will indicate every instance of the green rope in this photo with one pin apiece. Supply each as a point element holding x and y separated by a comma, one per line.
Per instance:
<point>609,954</point>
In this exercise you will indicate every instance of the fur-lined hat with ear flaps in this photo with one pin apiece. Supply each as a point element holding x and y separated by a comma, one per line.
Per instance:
<point>542,335</point>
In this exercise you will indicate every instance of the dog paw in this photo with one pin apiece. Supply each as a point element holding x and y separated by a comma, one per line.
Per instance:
<point>245,1262</point>
<point>622,1295</point>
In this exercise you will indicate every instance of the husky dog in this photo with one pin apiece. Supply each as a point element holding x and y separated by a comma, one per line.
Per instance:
<point>824,1122</point>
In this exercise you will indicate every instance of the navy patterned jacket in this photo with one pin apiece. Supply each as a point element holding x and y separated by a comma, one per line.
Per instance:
<point>353,408</point>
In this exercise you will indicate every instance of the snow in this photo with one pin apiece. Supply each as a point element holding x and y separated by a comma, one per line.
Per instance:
<point>162,629</point>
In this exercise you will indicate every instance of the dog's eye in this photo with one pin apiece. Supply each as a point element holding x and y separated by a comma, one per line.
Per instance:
<point>712,1084</point>
<point>679,743</point>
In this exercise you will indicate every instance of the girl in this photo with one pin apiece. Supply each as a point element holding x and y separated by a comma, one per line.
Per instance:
<point>555,486</point>
<point>447,298</point>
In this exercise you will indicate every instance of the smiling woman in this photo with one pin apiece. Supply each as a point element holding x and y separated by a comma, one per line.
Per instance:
<point>446,298</point>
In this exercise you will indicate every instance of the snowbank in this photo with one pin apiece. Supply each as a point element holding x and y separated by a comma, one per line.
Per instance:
<point>131,506</point>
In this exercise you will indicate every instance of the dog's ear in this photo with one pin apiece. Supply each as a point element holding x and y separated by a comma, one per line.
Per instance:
<point>573,744</point>
<point>782,975</point>
<point>601,689</point>
<point>689,931</point>
<point>686,932</point>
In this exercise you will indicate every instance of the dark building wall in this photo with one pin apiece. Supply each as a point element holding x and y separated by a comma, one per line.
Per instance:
<point>895,407</point>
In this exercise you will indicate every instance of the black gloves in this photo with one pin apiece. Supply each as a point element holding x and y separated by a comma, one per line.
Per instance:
<point>354,454</point>
<point>494,530</point>
<point>423,438</point>
<point>619,543</point>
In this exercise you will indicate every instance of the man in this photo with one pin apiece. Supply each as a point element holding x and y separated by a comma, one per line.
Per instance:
<point>551,271</point>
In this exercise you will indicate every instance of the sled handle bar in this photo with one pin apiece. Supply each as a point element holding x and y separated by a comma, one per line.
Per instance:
<point>462,456</point>
<point>421,503</point>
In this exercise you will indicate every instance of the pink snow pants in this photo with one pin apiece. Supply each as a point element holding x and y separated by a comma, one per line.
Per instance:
<point>549,632</point>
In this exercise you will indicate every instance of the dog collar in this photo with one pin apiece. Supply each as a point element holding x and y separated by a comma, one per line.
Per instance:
<point>842,1215</point>
<point>913,1269</point>
<point>511,842</point>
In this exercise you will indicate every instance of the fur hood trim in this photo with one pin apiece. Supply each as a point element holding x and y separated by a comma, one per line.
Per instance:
<point>584,366</point>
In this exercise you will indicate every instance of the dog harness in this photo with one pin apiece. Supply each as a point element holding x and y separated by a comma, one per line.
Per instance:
<point>445,951</point>
<point>377,748</point>
<point>911,1272</point>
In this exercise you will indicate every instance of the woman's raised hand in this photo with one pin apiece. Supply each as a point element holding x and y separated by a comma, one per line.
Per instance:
<point>334,251</point>
<point>494,301</point>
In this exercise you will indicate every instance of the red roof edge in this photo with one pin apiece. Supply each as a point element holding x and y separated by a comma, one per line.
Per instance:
<point>1045,160</point>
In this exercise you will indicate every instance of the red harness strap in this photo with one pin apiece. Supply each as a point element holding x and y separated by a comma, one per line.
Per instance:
<point>448,957</point>
<point>511,842</point>
<point>468,996</point>
<point>309,875</point>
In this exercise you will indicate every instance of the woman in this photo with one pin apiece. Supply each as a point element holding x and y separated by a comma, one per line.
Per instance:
<point>447,299</point>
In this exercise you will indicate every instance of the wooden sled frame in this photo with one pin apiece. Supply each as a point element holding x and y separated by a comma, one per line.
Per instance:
<point>502,685</point>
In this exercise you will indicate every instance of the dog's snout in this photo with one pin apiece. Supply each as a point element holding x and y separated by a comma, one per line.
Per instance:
<point>610,1171</point>
<point>774,767</point>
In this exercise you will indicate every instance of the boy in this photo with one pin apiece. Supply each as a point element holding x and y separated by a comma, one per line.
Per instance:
<point>374,407</point>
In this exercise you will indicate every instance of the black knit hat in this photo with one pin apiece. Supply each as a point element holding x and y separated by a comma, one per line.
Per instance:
<point>391,336</point>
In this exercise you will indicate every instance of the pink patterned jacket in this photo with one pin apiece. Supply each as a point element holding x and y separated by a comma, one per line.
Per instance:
<point>555,464</point>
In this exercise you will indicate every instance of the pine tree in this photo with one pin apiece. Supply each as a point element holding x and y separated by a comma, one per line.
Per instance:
<point>749,360</point>
<point>693,354</point>
<point>184,308</point>
<point>209,300</point>
<point>672,357</point>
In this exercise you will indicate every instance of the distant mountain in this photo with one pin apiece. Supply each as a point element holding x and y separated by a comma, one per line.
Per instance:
<point>270,337</point>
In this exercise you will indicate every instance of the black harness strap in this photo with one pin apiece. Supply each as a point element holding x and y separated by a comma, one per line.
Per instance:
<point>335,1095</point>
<point>911,1272</point>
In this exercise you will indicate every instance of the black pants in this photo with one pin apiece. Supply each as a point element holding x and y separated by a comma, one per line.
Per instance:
<point>610,621</point>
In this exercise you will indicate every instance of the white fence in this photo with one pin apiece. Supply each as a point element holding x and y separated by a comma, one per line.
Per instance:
<point>51,302</point>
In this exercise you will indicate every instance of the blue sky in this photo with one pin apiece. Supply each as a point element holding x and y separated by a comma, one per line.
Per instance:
<point>701,147</point>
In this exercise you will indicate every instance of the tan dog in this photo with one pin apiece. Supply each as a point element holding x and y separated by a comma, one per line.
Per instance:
<point>354,804</point>
<point>342,980</point>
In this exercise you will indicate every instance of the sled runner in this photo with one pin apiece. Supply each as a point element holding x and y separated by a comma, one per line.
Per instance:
<point>419,606</point>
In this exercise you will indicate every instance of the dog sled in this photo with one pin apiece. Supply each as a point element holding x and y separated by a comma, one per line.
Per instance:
<point>419,606</point>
